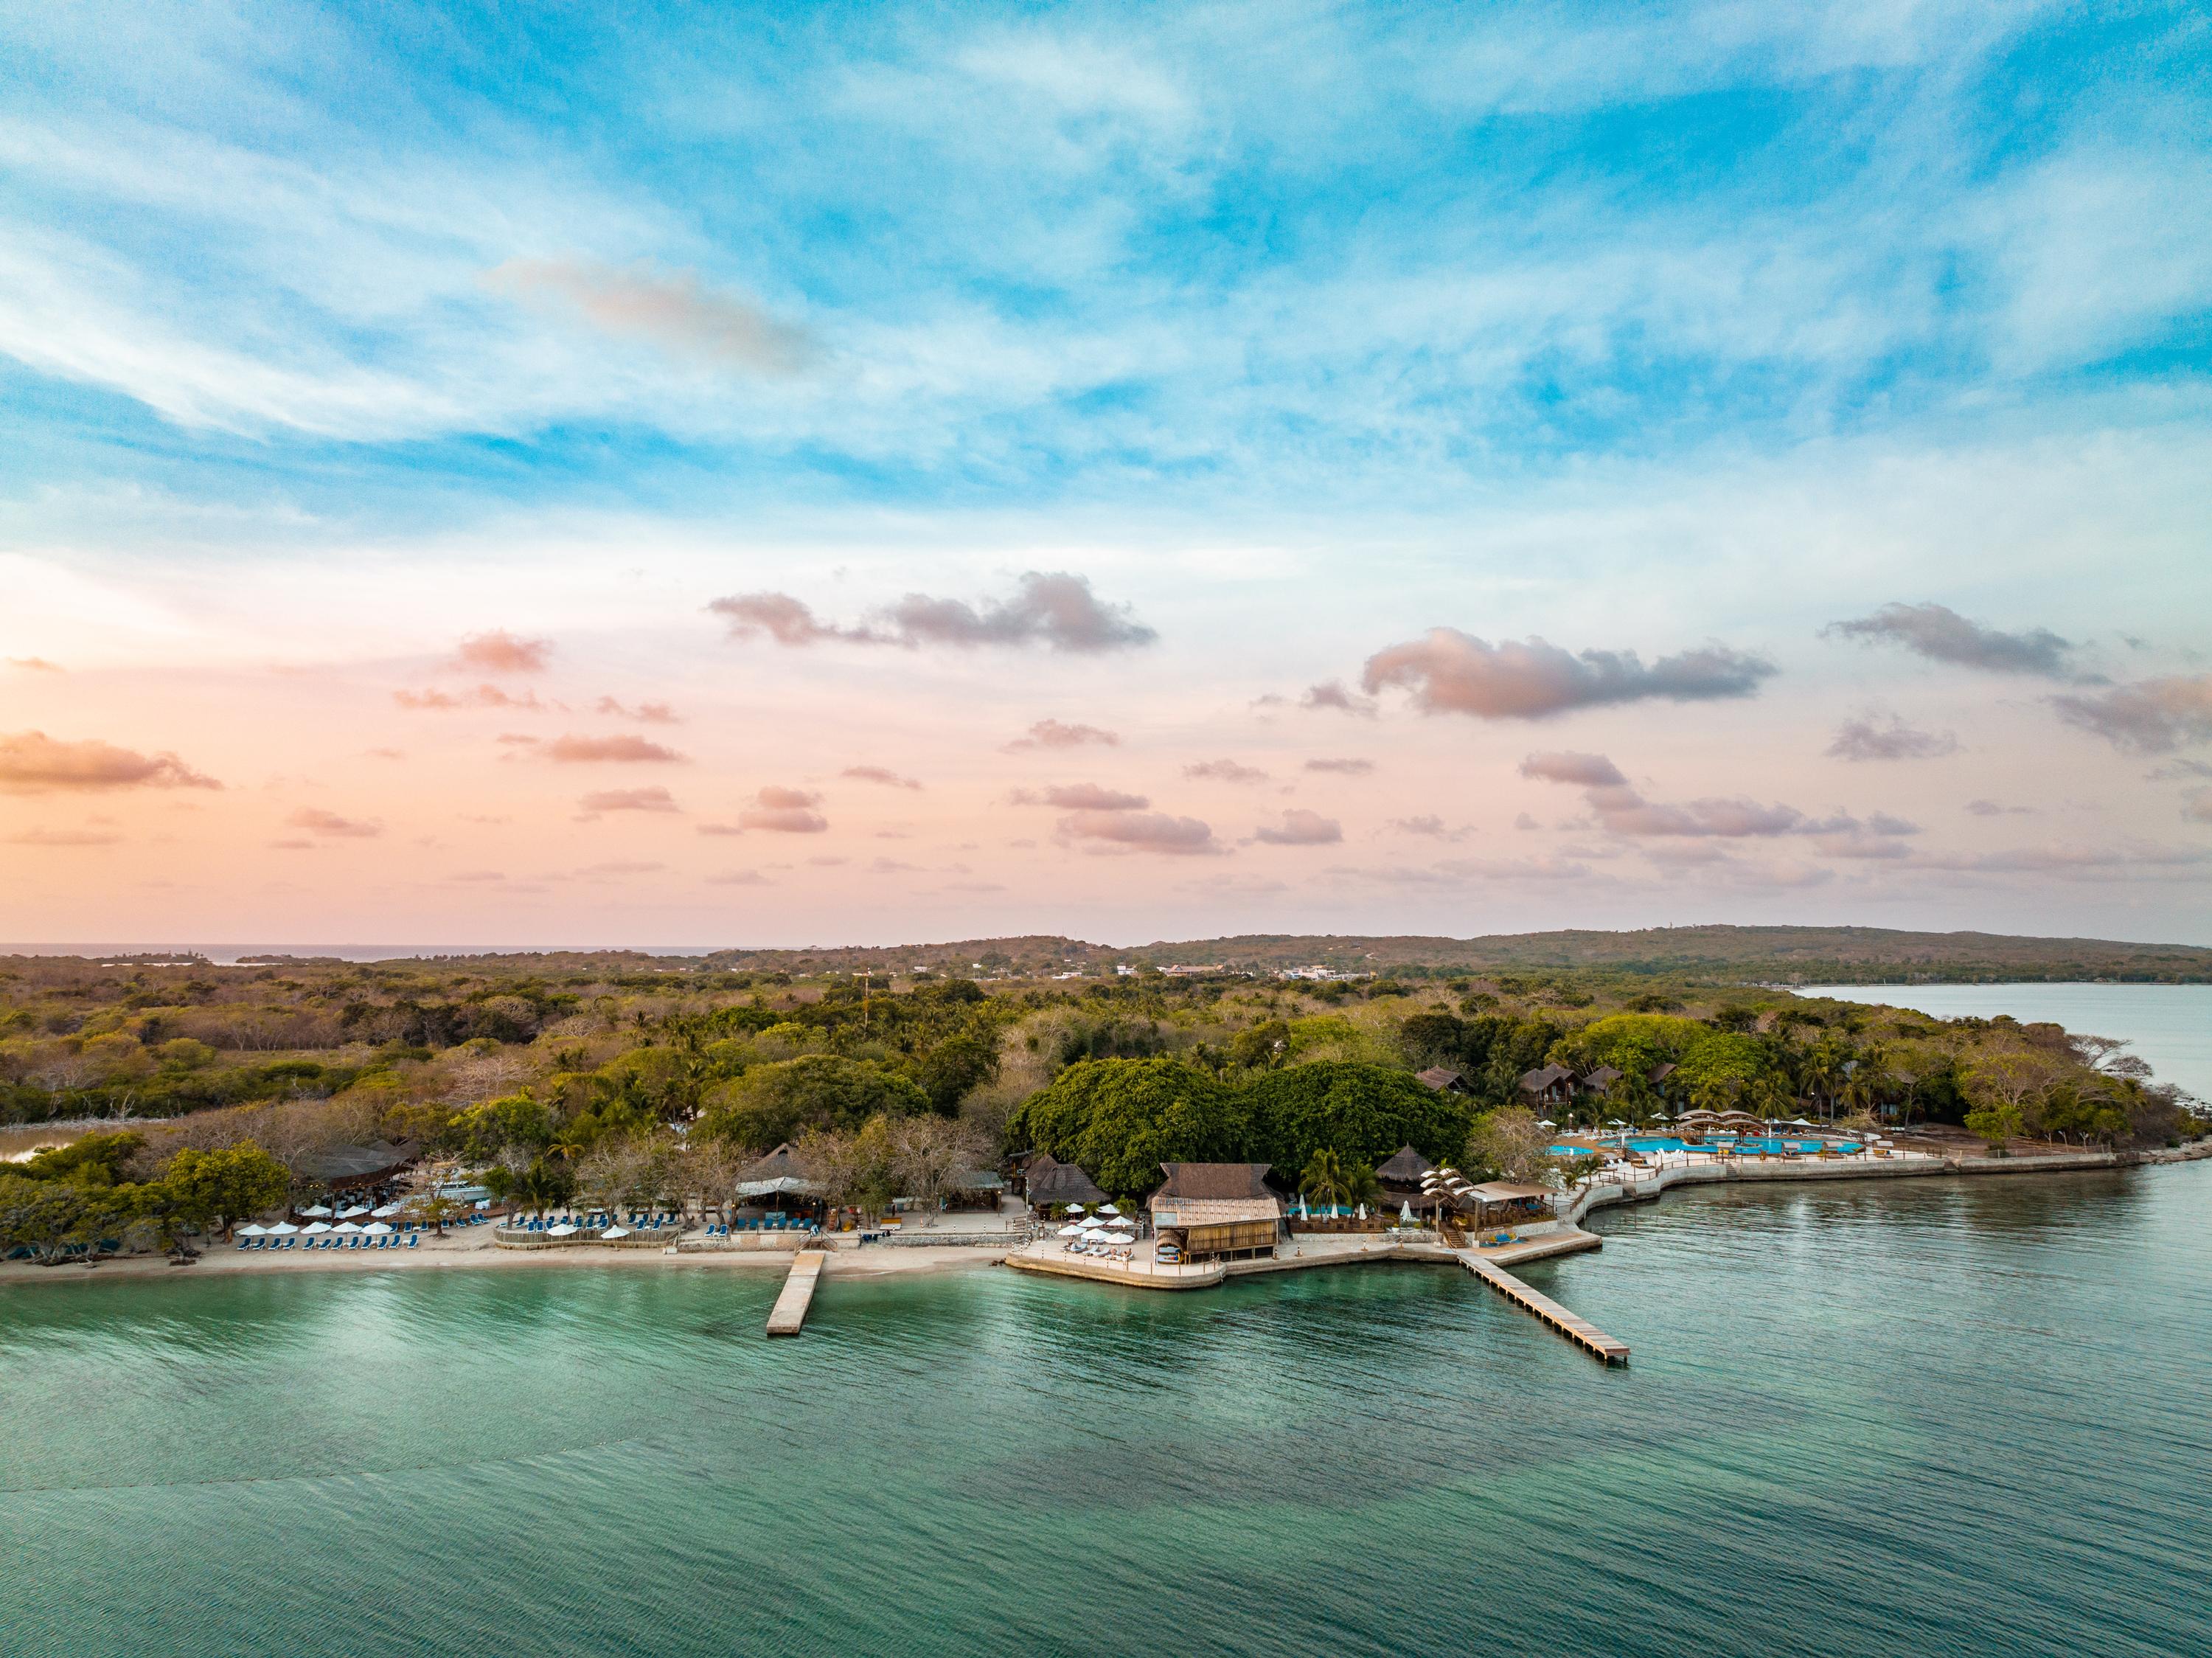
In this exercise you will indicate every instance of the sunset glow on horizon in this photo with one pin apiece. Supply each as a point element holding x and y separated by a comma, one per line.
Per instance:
<point>1136,476</point>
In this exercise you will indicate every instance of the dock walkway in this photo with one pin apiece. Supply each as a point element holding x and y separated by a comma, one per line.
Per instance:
<point>789,1316</point>
<point>1585,1334</point>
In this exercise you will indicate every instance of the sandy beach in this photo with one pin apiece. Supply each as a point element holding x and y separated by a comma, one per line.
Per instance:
<point>475,1250</point>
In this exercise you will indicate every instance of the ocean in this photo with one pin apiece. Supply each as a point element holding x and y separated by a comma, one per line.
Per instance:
<point>1890,1418</point>
<point>2171,1025</point>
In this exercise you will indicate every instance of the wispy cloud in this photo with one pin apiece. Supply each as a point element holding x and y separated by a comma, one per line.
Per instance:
<point>1869,737</point>
<point>332,826</point>
<point>674,310</point>
<point>1344,768</point>
<point>879,774</point>
<point>1223,771</point>
<point>1449,671</point>
<point>1080,796</point>
<point>629,799</point>
<point>1056,734</point>
<point>573,750</point>
<point>1940,634</point>
<point>1141,831</point>
<point>643,713</point>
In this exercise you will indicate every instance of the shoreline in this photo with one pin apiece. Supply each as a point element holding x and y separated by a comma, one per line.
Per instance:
<point>465,1251</point>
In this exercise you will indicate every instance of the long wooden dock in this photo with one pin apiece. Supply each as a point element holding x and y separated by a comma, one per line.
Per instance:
<point>1585,1334</point>
<point>789,1316</point>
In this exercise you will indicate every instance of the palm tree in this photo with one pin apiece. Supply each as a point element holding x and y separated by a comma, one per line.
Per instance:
<point>1323,1180</point>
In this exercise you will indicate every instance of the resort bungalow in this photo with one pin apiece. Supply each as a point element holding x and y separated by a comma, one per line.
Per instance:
<point>1443,1080</point>
<point>1399,1175</point>
<point>1658,1079</point>
<point>1053,1185</point>
<point>1219,1211</point>
<point>1601,1080</point>
<point>1551,1085</point>
<point>776,1185</point>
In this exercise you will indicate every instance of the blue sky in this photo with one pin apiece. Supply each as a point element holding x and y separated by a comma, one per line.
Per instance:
<point>1301,329</point>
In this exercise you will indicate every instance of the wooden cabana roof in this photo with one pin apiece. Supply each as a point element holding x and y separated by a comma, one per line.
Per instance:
<point>1506,1192</point>
<point>1405,1167</point>
<point>1601,1079</point>
<point>355,1165</point>
<point>1659,1073</point>
<point>1442,1078</point>
<point>1548,1077</point>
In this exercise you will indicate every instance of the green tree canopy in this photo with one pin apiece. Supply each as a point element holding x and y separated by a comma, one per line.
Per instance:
<point>776,1102</point>
<point>207,1188</point>
<point>1361,1112</point>
<point>96,1160</point>
<point>1122,1119</point>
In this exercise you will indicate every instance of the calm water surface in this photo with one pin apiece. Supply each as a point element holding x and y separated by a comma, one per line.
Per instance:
<point>2171,1025</point>
<point>1956,1415</point>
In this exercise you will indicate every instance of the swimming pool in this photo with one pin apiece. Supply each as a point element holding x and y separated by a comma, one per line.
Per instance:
<point>1771,1147</point>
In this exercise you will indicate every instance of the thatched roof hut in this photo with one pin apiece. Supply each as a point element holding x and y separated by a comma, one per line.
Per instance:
<point>776,1175</point>
<point>1218,1208</point>
<point>1052,1182</point>
<point>1402,1170</point>
<point>1442,1078</point>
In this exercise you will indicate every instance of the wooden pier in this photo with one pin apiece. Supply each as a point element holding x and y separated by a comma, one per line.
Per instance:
<point>789,1315</point>
<point>1585,1335</point>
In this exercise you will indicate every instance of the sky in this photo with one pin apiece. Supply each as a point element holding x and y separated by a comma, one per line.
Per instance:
<point>690,474</point>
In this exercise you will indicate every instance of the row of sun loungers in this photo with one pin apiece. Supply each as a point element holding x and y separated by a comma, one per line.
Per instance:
<point>393,1241</point>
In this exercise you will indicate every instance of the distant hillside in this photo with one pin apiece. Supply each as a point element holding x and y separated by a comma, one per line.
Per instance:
<point>1793,955</point>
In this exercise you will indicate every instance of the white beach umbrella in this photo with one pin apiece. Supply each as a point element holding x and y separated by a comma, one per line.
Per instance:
<point>562,1231</point>
<point>1071,1230</point>
<point>318,1208</point>
<point>1362,1211</point>
<point>1107,1208</point>
<point>317,1226</point>
<point>376,1228</point>
<point>1405,1212</point>
<point>1075,1209</point>
<point>616,1232</point>
<point>386,1212</point>
<point>253,1231</point>
<point>283,1228</point>
<point>348,1213</point>
<point>347,1226</point>
<point>1546,1122</point>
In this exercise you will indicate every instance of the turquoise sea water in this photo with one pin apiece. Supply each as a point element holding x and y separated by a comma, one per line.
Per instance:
<point>1950,1416</point>
<point>2171,1025</point>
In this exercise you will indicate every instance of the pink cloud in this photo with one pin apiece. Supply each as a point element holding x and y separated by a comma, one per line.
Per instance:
<point>628,750</point>
<point>1343,768</point>
<point>1081,797</point>
<point>644,713</point>
<point>741,878</point>
<point>35,665</point>
<point>1141,832</point>
<point>629,799</point>
<point>1300,827</point>
<point>1223,771</point>
<point>778,811</point>
<point>485,696</point>
<point>501,652</point>
<point>31,763</point>
<point>1331,694</point>
<point>881,774</point>
<point>37,837</point>
<point>1052,734</point>
<point>316,821</point>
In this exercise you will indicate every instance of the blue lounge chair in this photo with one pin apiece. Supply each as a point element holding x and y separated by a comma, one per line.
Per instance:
<point>414,1242</point>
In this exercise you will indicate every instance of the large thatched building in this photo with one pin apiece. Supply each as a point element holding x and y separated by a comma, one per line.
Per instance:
<point>1218,1210</point>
